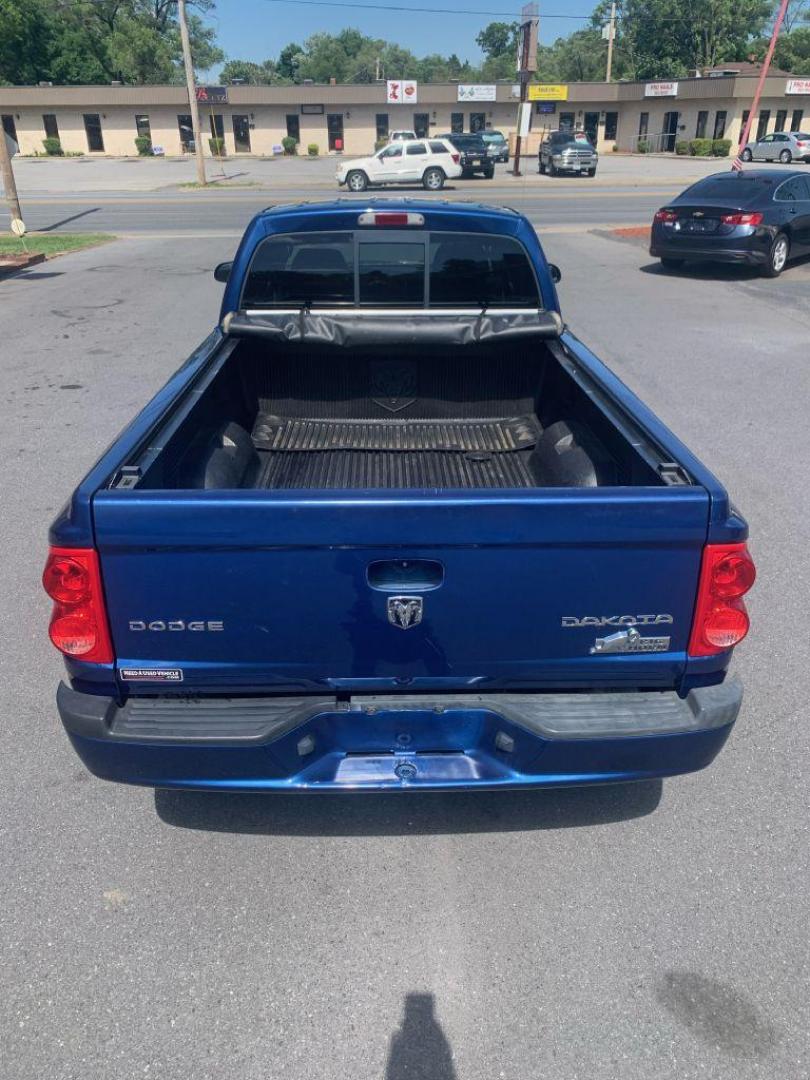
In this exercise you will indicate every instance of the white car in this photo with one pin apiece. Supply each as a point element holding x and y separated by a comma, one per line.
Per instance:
<point>397,136</point>
<point>428,162</point>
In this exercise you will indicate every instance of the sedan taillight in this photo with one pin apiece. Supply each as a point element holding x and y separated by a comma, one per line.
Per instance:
<point>742,219</point>
<point>665,216</point>
<point>456,158</point>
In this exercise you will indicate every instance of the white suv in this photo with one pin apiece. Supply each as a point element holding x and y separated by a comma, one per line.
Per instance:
<point>428,162</point>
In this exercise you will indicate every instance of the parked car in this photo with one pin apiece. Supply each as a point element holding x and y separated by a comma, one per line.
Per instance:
<point>784,146</point>
<point>474,153</point>
<point>398,136</point>
<point>497,145</point>
<point>414,161</point>
<point>758,217</point>
<point>393,526</point>
<point>567,151</point>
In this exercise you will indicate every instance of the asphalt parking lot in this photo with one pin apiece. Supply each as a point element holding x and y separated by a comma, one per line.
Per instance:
<point>634,932</point>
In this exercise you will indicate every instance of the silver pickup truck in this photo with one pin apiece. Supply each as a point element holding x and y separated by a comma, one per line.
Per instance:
<point>567,151</point>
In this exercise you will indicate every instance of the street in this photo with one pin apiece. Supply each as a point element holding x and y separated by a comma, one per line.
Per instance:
<point>146,197</point>
<point>624,932</point>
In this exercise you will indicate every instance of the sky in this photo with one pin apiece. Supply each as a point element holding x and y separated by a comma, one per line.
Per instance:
<point>258,29</point>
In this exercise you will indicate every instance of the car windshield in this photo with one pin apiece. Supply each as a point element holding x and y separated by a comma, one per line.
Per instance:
<point>493,136</point>
<point>800,135</point>
<point>318,269</point>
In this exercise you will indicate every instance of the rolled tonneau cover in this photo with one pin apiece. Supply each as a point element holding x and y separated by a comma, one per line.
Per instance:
<point>351,328</point>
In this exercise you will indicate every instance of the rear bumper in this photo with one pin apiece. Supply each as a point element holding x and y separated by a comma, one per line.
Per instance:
<point>409,742</point>
<point>750,249</point>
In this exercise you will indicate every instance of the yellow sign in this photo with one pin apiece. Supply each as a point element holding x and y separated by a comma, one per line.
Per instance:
<point>548,92</point>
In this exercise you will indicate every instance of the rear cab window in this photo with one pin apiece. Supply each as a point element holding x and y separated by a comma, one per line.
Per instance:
<point>386,268</point>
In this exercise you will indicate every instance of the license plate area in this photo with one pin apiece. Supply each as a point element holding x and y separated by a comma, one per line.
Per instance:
<point>699,227</point>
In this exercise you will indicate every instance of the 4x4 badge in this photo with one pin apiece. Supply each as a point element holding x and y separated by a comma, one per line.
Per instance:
<point>405,612</point>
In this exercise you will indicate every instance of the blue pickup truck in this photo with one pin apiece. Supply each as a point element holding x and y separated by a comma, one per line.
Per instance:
<point>392,526</point>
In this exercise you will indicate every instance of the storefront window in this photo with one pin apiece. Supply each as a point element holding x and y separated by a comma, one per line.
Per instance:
<point>719,123</point>
<point>611,125</point>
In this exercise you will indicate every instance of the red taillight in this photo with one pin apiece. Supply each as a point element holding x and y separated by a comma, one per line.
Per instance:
<point>390,217</point>
<point>665,215</point>
<point>456,158</point>
<point>721,621</point>
<point>802,144</point>
<point>742,219</point>
<point>78,627</point>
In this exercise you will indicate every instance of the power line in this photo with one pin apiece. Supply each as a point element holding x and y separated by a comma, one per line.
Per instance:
<point>421,10</point>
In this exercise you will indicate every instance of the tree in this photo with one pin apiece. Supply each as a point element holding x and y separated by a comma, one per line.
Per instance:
<point>264,74</point>
<point>289,60</point>
<point>87,41</point>
<point>499,38</point>
<point>792,51</point>
<point>660,38</point>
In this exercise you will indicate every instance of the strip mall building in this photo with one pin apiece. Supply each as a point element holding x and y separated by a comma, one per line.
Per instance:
<point>351,117</point>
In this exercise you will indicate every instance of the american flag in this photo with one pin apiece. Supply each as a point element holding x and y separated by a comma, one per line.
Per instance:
<point>737,164</point>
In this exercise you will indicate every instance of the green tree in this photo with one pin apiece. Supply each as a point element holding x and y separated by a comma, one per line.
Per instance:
<point>499,38</point>
<point>659,38</point>
<point>289,60</point>
<point>792,51</point>
<point>264,74</point>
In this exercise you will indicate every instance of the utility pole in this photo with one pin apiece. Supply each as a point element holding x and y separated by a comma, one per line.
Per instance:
<point>526,66</point>
<point>188,63</point>
<point>611,35</point>
<point>7,173</point>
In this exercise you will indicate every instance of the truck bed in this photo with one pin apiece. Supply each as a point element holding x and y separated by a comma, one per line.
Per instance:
<point>471,418</point>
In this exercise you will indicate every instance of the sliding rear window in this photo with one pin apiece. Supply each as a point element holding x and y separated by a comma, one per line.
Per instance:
<point>389,268</point>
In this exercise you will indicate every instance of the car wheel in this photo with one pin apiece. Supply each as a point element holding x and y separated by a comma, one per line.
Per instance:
<point>591,172</point>
<point>433,180</point>
<point>786,157</point>
<point>552,169</point>
<point>746,155</point>
<point>541,167</point>
<point>671,264</point>
<point>488,174</point>
<point>357,181</point>
<point>777,256</point>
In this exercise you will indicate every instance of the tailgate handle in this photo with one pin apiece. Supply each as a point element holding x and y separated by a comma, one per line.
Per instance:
<point>415,575</point>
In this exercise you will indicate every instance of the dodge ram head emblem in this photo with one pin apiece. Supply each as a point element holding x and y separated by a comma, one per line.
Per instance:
<point>405,612</point>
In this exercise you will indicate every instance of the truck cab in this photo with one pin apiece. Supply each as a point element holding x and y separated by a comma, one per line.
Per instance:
<point>567,152</point>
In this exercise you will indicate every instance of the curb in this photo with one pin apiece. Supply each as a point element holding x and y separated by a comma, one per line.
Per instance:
<point>11,264</point>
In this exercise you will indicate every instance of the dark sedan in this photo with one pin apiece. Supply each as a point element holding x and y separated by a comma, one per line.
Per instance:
<point>756,217</point>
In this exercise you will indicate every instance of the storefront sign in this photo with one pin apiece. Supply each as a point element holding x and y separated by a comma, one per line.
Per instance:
<point>661,89</point>
<point>476,92</point>
<point>798,86</point>
<point>548,92</point>
<point>401,91</point>
<point>212,95</point>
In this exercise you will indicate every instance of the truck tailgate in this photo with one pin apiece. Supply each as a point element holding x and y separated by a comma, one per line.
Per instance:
<point>272,591</point>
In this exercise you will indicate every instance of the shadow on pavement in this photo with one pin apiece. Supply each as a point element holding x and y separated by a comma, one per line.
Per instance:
<point>406,813</point>
<point>419,1049</point>
<point>67,220</point>
<point>716,271</point>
